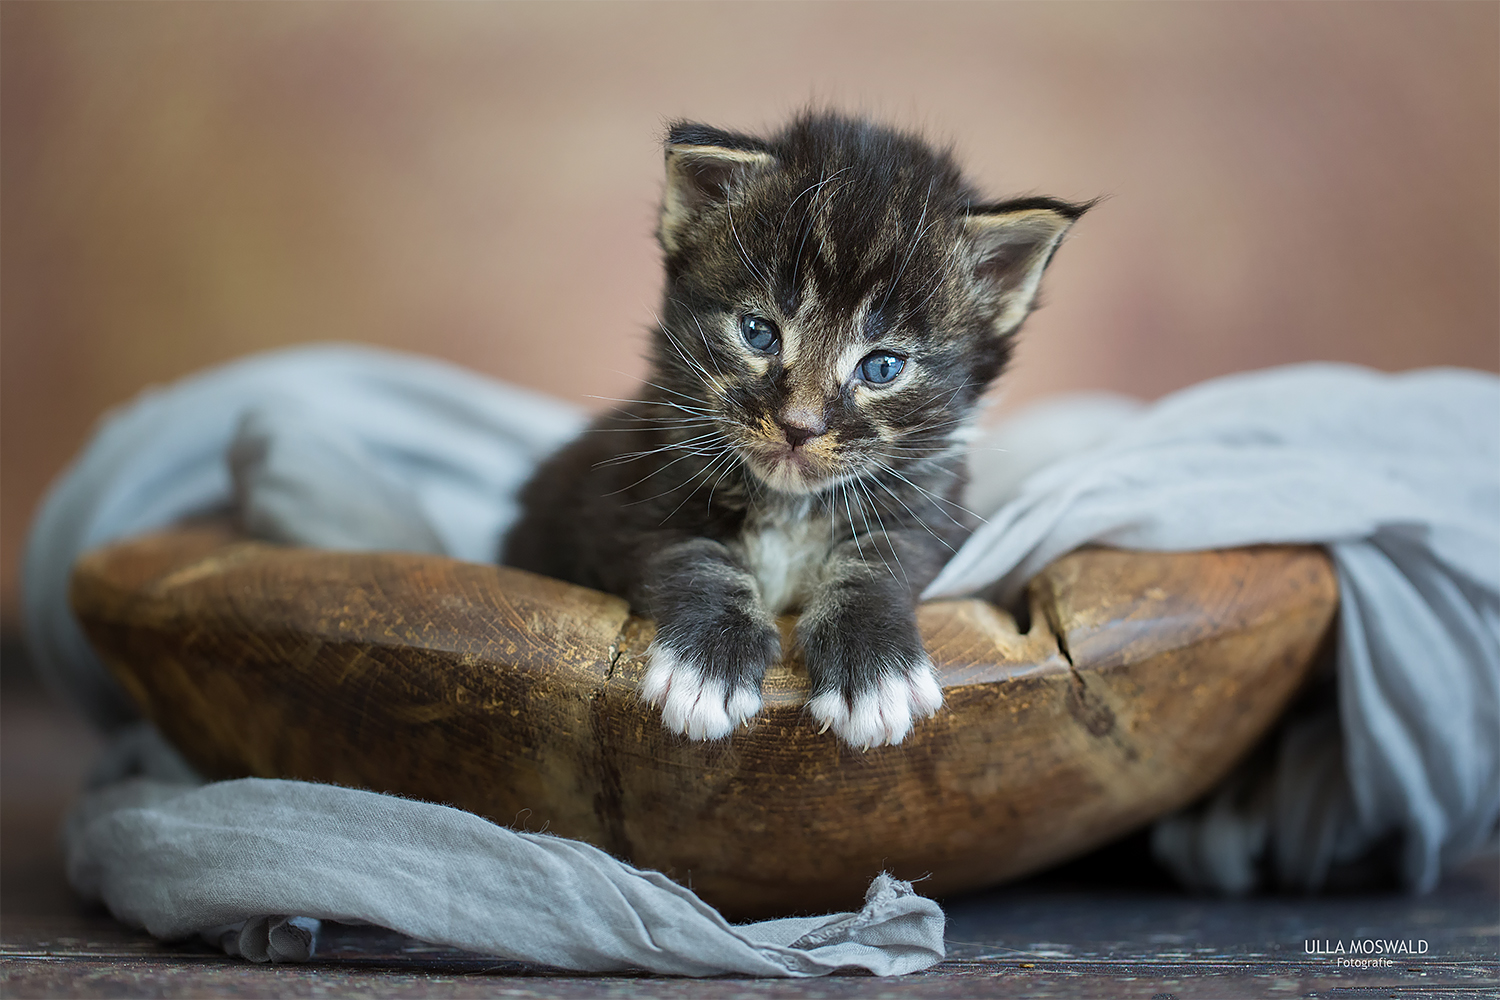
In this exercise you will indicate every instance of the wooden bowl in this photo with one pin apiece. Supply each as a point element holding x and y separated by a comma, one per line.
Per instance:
<point>1143,678</point>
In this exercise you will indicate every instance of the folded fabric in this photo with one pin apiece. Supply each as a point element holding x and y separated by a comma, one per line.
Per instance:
<point>346,446</point>
<point>1399,476</point>
<point>357,448</point>
<point>179,859</point>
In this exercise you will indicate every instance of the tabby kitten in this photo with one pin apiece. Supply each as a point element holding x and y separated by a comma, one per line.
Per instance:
<point>837,300</point>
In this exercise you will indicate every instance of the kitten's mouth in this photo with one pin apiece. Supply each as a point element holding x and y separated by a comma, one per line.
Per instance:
<point>790,470</point>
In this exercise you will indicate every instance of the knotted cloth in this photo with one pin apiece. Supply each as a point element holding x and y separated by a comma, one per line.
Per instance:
<point>357,448</point>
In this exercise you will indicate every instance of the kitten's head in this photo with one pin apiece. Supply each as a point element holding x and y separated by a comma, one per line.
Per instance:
<point>837,297</point>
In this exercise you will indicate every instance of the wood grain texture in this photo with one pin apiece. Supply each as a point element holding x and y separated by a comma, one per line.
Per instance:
<point>1142,679</point>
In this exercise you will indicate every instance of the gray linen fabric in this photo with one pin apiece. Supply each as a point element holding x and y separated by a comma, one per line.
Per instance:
<point>335,443</point>
<point>356,448</point>
<point>1399,476</point>
<point>182,859</point>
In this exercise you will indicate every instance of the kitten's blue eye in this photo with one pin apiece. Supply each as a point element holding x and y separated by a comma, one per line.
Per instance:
<point>760,333</point>
<point>879,369</point>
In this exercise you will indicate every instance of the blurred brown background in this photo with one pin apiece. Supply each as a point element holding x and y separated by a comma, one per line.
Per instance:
<point>184,183</point>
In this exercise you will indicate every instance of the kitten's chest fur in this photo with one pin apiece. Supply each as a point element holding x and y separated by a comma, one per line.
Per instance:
<point>784,543</point>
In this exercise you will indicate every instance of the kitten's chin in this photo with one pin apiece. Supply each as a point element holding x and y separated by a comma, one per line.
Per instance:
<point>792,474</point>
<point>784,480</point>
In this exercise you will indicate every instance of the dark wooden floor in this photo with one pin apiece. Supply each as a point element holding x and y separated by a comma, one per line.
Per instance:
<point>1106,928</point>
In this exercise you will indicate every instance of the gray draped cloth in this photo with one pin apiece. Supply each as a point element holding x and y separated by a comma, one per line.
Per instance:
<point>346,447</point>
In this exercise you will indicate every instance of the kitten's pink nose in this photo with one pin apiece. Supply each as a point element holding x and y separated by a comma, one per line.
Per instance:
<point>801,424</point>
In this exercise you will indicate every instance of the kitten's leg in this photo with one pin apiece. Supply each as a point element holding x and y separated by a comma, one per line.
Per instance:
<point>871,677</point>
<point>714,639</point>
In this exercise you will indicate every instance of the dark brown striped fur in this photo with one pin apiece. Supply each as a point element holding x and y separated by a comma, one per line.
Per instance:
<point>744,483</point>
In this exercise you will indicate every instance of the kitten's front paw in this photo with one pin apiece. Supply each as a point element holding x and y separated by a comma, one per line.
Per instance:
<point>881,711</point>
<point>691,702</point>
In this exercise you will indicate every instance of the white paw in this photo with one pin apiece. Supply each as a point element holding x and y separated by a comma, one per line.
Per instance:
<point>703,708</point>
<point>882,713</point>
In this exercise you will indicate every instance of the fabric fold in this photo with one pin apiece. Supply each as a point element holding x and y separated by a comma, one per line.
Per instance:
<point>1398,476</point>
<point>179,860</point>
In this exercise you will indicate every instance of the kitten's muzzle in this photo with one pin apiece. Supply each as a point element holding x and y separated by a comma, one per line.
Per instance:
<point>800,464</point>
<point>801,425</point>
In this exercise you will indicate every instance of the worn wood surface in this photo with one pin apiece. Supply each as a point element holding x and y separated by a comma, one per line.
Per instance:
<point>1142,679</point>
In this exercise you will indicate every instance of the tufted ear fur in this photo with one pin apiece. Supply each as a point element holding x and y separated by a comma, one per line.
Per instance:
<point>703,167</point>
<point>1013,241</point>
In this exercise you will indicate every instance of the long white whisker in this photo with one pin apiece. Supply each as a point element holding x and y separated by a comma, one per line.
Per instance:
<point>660,468</point>
<point>728,467</point>
<point>928,399</point>
<point>876,480</point>
<point>672,489</point>
<point>937,501</point>
<point>843,488</point>
<point>707,470</point>
<point>874,509</point>
<point>691,410</point>
<point>704,334</point>
<point>633,456</point>
<point>691,445</point>
<point>683,354</point>
<point>676,392</point>
<point>674,424</point>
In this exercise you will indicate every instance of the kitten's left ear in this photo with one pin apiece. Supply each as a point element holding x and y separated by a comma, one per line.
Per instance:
<point>703,166</point>
<point>1013,242</point>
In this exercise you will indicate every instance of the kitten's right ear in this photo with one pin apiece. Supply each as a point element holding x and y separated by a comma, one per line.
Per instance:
<point>1013,242</point>
<point>703,166</point>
